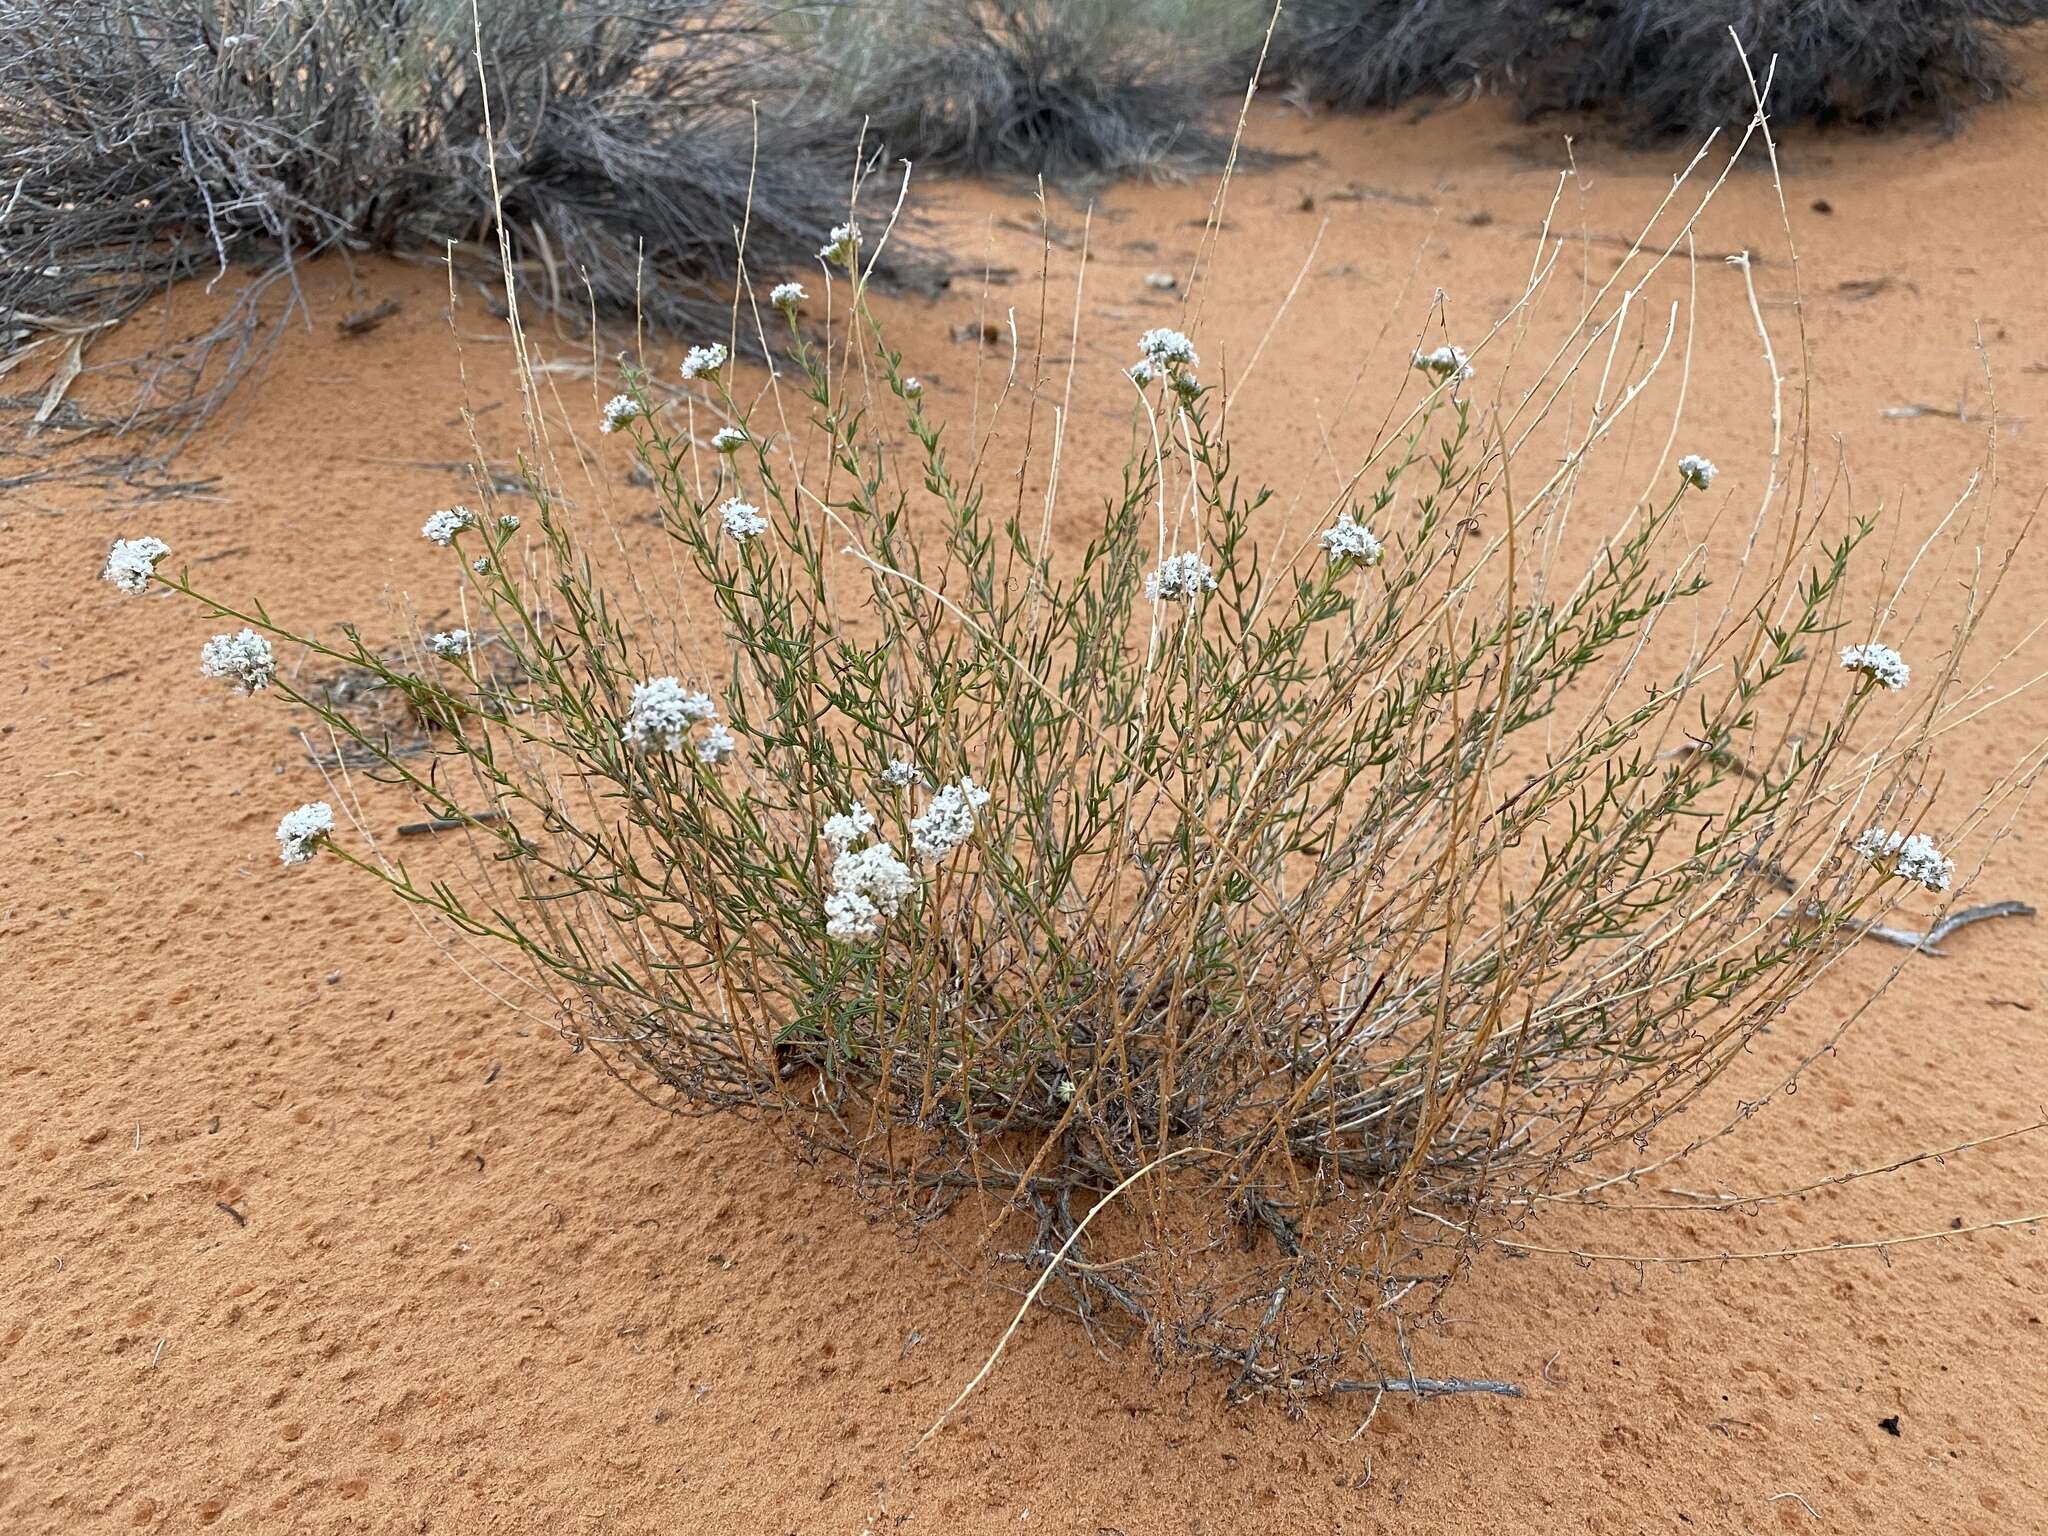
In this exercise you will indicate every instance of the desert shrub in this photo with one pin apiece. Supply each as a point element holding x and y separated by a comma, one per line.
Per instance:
<point>1329,894</point>
<point>143,142</point>
<point>1380,53</point>
<point>1063,88</point>
<point>1664,66</point>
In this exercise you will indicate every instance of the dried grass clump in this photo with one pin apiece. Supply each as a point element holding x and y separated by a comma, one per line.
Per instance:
<point>1662,66</point>
<point>143,142</point>
<point>1067,89</point>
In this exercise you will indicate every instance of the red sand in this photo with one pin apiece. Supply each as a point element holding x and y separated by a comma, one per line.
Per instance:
<point>303,1233</point>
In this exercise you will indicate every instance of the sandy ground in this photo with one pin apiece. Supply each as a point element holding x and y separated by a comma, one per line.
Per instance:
<point>303,1233</point>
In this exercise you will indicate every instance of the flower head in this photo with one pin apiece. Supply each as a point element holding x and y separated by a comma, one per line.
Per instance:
<point>913,387</point>
<point>868,885</point>
<point>442,527</point>
<point>244,659</point>
<point>1880,663</point>
<point>901,773</point>
<point>1347,539</point>
<point>729,439</point>
<point>839,246</point>
<point>619,410</point>
<point>786,296</point>
<point>948,821</point>
<point>481,565</point>
<point>449,643</point>
<point>848,827</point>
<point>661,712</point>
<point>1180,578</point>
<point>1696,471</point>
<point>131,562</point>
<point>1168,351</point>
<point>1143,373</point>
<point>301,832</point>
<point>509,523</point>
<point>742,519</point>
<point>1445,363</point>
<point>1913,858</point>
<point>716,746</point>
<point>704,362</point>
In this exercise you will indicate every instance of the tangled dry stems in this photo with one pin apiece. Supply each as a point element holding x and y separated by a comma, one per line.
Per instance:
<point>1066,89</point>
<point>1665,67</point>
<point>144,142</point>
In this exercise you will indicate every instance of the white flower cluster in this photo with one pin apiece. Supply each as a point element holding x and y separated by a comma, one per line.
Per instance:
<point>913,387</point>
<point>131,562</point>
<point>1166,351</point>
<point>742,519</point>
<point>619,410</point>
<point>449,643</point>
<point>442,527</point>
<point>509,523</point>
<point>716,746</point>
<point>1880,663</point>
<point>1351,540</point>
<point>300,832</point>
<point>1697,471</point>
<point>839,246</point>
<point>245,660</point>
<point>786,296</point>
<point>901,773</point>
<point>1180,578</point>
<point>1445,363</point>
<point>704,362</point>
<point>868,884</point>
<point>661,713</point>
<point>948,821</point>
<point>1912,858</point>
<point>729,439</point>
<point>848,827</point>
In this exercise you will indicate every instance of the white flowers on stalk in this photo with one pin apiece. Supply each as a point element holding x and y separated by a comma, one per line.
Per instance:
<point>742,519</point>
<point>131,562</point>
<point>868,884</point>
<point>619,410</point>
<point>509,523</point>
<point>244,659</point>
<point>449,643</point>
<point>1143,373</point>
<point>1880,663</point>
<point>901,773</point>
<point>661,713</point>
<point>948,821</point>
<point>481,565</point>
<point>1445,363</point>
<point>1347,539</point>
<point>729,439</point>
<point>1168,351</point>
<point>786,296</point>
<point>716,746</point>
<point>913,387</point>
<point>1696,471</point>
<point>1180,578</point>
<point>838,247</point>
<point>442,527</point>
<point>1913,858</point>
<point>704,362</point>
<point>300,833</point>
